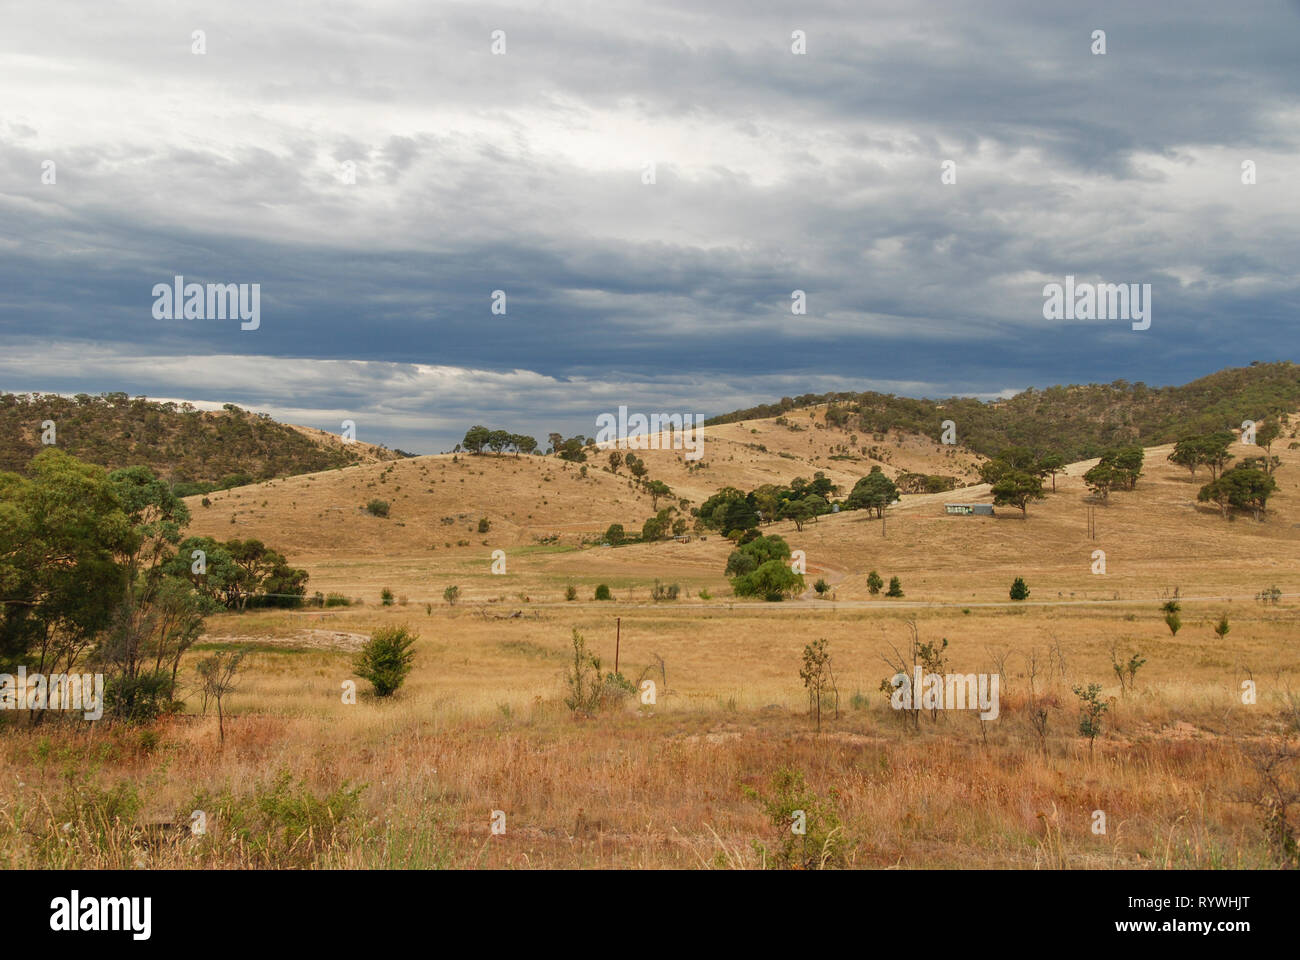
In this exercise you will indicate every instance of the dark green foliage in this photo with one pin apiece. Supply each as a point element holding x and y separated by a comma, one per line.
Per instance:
<point>875,492</point>
<point>1077,422</point>
<point>749,556</point>
<point>773,580</point>
<point>199,451</point>
<point>377,508</point>
<point>602,592</point>
<point>1244,487</point>
<point>1019,589</point>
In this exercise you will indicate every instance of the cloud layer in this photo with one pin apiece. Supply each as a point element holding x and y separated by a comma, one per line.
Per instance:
<point>525,172</point>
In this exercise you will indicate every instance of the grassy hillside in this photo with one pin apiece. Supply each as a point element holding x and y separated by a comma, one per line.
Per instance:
<point>1076,421</point>
<point>543,512</point>
<point>436,501</point>
<point>176,441</point>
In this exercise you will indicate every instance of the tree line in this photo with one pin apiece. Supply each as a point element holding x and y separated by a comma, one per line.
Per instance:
<point>94,569</point>
<point>1079,422</point>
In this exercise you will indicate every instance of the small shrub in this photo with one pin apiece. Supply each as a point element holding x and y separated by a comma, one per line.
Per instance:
<point>794,805</point>
<point>451,595</point>
<point>602,592</point>
<point>377,508</point>
<point>664,591</point>
<point>570,592</point>
<point>386,658</point>
<point>386,597</point>
<point>874,583</point>
<point>584,680</point>
<point>483,525</point>
<point>1091,709</point>
<point>1019,589</point>
<point>895,587</point>
<point>337,600</point>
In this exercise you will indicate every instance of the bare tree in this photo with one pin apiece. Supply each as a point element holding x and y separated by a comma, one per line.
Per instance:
<point>217,675</point>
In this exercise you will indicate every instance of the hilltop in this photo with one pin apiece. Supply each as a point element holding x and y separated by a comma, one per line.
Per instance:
<point>176,441</point>
<point>1078,421</point>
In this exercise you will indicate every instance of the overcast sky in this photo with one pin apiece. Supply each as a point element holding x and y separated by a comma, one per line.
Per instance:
<point>525,172</point>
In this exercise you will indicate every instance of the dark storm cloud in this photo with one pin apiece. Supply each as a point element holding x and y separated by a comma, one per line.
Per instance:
<point>523,173</point>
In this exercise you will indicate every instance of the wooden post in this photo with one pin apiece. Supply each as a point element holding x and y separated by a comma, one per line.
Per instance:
<point>618,639</point>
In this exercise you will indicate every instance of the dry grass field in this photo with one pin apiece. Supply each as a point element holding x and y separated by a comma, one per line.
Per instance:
<point>693,779</point>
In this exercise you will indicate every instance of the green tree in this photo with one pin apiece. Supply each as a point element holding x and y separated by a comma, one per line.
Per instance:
<point>1018,489</point>
<point>1019,589</point>
<point>875,491</point>
<point>1052,464</point>
<point>1100,479</point>
<point>615,534</point>
<point>476,438</point>
<point>386,659</point>
<point>1091,709</point>
<point>874,583</point>
<point>657,489</point>
<point>772,580</point>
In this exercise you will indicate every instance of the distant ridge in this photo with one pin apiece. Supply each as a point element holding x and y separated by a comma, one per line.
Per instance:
<point>1079,422</point>
<point>175,440</point>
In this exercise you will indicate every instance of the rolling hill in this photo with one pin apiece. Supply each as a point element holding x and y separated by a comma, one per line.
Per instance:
<point>176,441</point>
<point>1077,422</point>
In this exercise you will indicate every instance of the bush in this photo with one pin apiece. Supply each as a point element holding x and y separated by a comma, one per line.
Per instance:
<point>584,680</point>
<point>337,600</point>
<point>570,592</point>
<point>483,525</point>
<point>895,587</point>
<point>282,824</point>
<point>753,553</point>
<point>386,659</point>
<point>386,597</point>
<point>1019,589</point>
<point>792,803</point>
<point>615,534</point>
<point>773,581</point>
<point>1174,622</point>
<point>451,595</point>
<point>377,508</point>
<point>664,592</point>
<point>821,586</point>
<point>139,699</point>
<point>602,592</point>
<point>874,583</point>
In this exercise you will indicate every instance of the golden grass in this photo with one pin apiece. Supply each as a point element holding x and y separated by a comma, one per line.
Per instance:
<point>480,724</point>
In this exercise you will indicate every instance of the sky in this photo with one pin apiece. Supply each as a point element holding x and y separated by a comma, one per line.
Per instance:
<point>647,185</point>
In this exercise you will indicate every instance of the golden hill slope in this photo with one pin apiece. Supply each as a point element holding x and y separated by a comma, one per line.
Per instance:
<point>1155,538</point>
